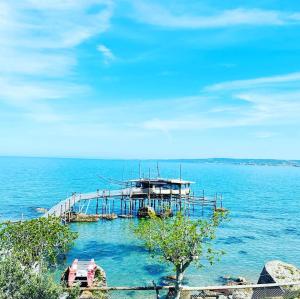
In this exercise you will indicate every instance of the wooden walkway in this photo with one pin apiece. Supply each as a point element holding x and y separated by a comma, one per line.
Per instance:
<point>67,204</point>
<point>131,196</point>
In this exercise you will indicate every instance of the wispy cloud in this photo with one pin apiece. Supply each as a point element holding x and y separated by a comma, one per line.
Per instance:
<point>108,56</point>
<point>159,15</point>
<point>236,104</point>
<point>38,57</point>
<point>264,134</point>
<point>257,82</point>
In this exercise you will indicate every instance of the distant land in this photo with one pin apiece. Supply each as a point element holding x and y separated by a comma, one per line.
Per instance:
<point>235,161</point>
<point>259,162</point>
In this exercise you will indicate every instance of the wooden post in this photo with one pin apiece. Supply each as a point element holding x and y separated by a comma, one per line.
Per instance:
<point>203,204</point>
<point>74,198</point>
<point>122,203</point>
<point>149,187</point>
<point>215,202</point>
<point>69,209</point>
<point>65,212</point>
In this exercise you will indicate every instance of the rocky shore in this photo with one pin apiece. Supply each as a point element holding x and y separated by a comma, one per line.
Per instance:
<point>272,272</point>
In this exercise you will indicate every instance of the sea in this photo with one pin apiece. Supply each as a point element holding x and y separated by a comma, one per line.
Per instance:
<point>263,197</point>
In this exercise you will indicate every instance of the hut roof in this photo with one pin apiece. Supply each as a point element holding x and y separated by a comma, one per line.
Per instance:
<point>162,181</point>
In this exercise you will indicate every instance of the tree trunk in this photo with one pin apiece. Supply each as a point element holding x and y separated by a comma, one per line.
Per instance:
<point>179,278</point>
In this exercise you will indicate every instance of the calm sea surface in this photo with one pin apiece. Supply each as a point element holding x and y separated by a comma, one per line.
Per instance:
<point>264,202</point>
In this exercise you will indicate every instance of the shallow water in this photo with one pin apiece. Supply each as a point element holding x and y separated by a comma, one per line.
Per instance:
<point>264,202</point>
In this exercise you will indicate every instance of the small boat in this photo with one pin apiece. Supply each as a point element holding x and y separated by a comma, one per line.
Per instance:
<point>86,274</point>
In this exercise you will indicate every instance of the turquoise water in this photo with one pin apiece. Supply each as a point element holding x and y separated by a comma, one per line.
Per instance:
<point>264,202</point>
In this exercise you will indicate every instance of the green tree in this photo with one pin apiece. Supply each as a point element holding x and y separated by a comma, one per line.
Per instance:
<point>38,241</point>
<point>27,249</point>
<point>19,282</point>
<point>180,241</point>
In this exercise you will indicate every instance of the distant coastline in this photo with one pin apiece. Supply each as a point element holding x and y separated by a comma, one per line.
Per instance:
<point>254,162</point>
<point>232,161</point>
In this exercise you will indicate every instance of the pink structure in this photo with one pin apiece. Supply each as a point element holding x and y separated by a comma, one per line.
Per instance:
<point>72,272</point>
<point>91,272</point>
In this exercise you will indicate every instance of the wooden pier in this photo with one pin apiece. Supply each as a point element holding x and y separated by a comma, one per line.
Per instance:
<point>160,195</point>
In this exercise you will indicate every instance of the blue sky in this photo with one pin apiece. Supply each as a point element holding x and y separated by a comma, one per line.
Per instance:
<point>150,79</point>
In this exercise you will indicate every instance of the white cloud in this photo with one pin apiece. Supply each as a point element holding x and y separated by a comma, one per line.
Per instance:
<point>251,83</point>
<point>264,134</point>
<point>37,50</point>
<point>158,15</point>
<point>236,104</point>
<point>107,54</point>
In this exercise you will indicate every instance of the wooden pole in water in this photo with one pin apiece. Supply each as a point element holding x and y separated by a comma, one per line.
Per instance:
<point>180,171</point>
<point>106,205</point>
<point>65,214</point>
<point>215,202</point>
<point>122,203</point>
<point>140,170</point>
<point>203,198</point>
<point>149,187</point>
<point>69,209</point>
<point>74,202</point>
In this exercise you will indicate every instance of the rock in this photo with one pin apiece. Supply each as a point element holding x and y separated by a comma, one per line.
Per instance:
<point>242,294</point>
<point>125,216</point>
<point>146,212</point>
<point>108,216</point>
<point>229,280</point>
<point>166,213</point>
<point>171,277</point>
<point>41,210</point>
<point>80,217</point>
<point>241,280</point>
<point>279,272</point>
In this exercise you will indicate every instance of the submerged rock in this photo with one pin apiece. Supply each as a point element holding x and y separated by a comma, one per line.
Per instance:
<point>108,216</point>
<point>165,213</point>
<point>80,217</point>
<point>41,210</point>
<point>125,216</point>
<point>146,212</point>
<point>230,280</point>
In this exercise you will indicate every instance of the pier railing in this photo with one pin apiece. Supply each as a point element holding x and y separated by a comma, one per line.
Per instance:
<point>250,291</point>
<point>122,202</point>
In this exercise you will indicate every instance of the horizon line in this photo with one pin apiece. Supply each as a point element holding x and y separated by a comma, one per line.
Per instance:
<point>147,159</point>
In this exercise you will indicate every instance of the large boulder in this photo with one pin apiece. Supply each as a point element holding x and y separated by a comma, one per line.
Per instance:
<point>279,272</point>
<point>273,272</point>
